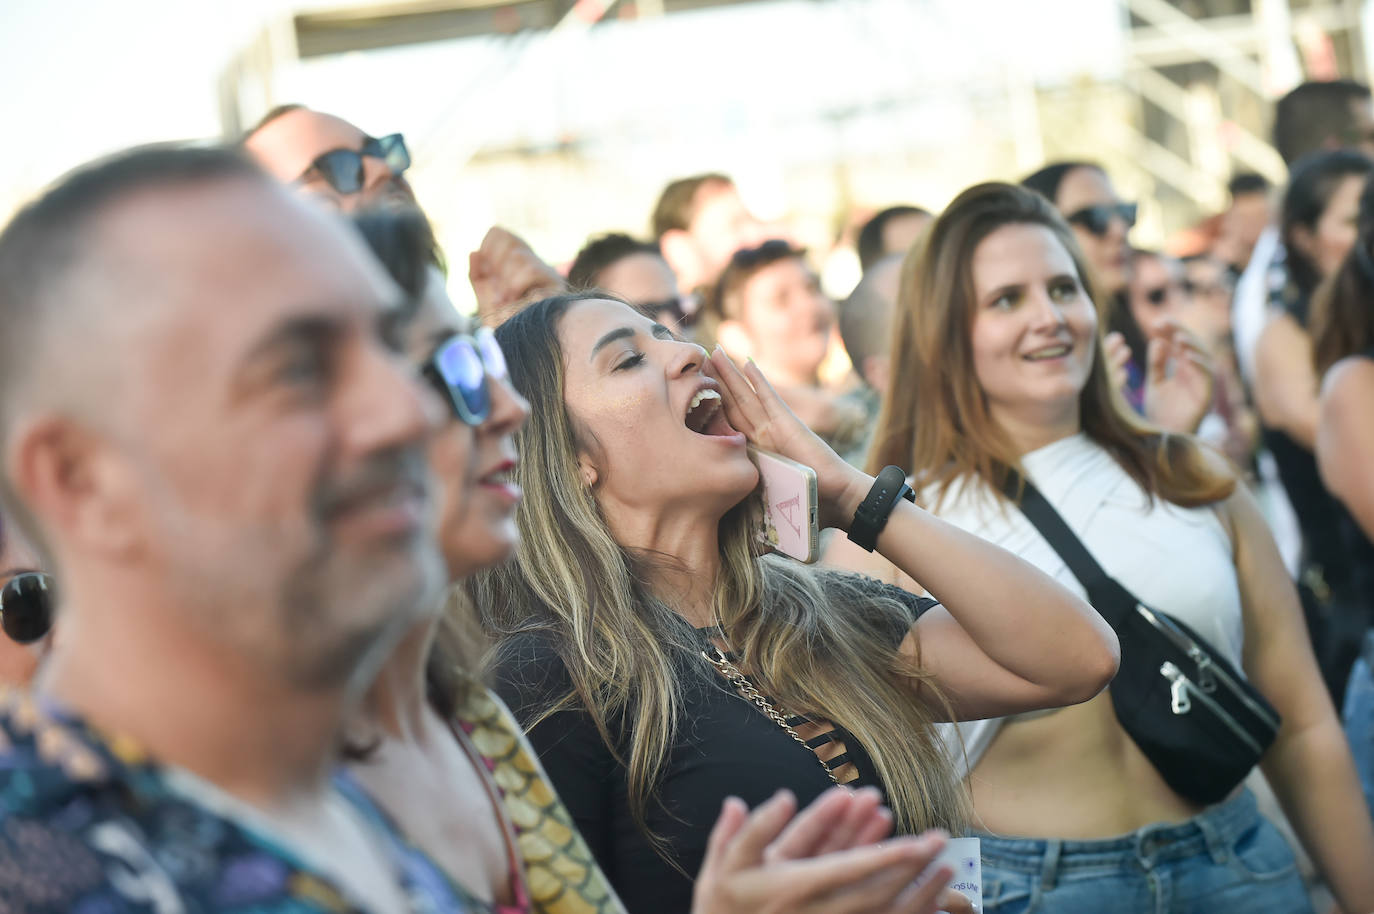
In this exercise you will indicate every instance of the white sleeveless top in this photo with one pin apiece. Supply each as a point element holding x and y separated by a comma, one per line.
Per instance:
<point>1179,560</point>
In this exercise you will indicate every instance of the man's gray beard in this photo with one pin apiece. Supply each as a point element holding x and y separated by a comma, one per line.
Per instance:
<point>351,658</point>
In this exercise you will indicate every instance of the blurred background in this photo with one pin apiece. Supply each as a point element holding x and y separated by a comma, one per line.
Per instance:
<point>559,119</point>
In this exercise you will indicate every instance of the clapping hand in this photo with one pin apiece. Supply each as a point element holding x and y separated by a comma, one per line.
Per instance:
<point>822,861</point>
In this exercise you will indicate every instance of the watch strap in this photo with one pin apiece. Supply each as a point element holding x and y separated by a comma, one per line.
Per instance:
<point>889,487</point>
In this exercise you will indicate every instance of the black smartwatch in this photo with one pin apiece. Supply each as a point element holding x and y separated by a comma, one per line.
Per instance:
<point>871,517</point>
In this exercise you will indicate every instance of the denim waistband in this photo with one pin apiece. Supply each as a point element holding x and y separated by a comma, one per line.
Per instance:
<point>1213,832</point>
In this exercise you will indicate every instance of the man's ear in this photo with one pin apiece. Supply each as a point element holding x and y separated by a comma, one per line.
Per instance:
<point>681,253</point>
<point>75,486</point>
<point>735,340</point>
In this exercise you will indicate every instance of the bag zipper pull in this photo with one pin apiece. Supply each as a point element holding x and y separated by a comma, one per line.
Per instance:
<point>1179,702</point>
<point>1205,680</point>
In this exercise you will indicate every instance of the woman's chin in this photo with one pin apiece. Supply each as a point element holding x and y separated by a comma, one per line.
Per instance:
<point>475,551</point>
<point>740,488</point>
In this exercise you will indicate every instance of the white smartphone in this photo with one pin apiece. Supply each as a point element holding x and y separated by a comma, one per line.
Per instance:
<point>791,526</point>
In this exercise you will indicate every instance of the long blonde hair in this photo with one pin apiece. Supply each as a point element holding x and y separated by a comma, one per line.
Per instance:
<point>821,643</point>
<point>935,423</point>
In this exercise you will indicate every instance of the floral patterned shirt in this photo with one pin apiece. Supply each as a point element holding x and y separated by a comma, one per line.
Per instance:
<point>91,825</point>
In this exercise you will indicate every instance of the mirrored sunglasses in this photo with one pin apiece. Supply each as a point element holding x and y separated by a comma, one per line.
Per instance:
<point>342,169</point>
<point>26,605</point>
<point>462,367</point>
<point>1098,219</point>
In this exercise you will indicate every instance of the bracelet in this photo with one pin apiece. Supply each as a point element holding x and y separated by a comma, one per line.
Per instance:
<point>871,516</point>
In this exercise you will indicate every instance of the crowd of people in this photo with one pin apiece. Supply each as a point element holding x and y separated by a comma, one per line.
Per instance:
<point>320,595</point>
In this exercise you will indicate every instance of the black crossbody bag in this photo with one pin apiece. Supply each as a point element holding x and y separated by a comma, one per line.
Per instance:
<point>1196,718</point>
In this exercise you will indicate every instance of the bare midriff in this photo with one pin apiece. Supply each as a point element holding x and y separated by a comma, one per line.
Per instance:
<point>1073,774</point>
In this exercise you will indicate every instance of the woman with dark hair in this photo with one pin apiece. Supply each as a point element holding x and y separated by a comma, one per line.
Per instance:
<point>1000,335</point>
<point>660,660</point>
<point>1101,222</point>
<point>1343,342</point>
<point>444,757</point>
<point>1318,229</point>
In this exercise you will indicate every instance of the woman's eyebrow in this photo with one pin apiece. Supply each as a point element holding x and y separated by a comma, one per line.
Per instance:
<point>619,333</point>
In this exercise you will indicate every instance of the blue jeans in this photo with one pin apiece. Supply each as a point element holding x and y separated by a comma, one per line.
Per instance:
<point>1359,718</point>
<point>1228,859</point>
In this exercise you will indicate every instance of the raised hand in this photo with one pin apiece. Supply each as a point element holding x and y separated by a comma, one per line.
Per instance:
<point>745,872</point>
<point>1178,379</point>
<point>755,408</point>
<point>1118,357</point>
<point>505,273</point>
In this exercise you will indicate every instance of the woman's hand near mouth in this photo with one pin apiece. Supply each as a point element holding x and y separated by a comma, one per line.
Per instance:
<point>754,408</point>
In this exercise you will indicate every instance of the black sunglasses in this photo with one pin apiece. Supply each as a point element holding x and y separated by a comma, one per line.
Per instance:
<point>1209,288</point>
<point>1098,219</point>
<point>460,369</point>
<point>26,602</point>
<point>675,309</point>
<point>342,169</point>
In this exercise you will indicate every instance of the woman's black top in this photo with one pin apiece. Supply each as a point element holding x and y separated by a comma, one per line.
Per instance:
<point>725,747</point>
<point>1318,513</point>
<point>1359,552</point>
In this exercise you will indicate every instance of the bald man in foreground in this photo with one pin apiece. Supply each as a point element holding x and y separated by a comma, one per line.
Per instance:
<point>205,421</point>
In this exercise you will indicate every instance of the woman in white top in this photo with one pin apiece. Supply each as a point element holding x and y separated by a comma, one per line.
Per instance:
<point>998,363</point>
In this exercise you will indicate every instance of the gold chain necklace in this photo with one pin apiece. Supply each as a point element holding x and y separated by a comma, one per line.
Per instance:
<point>746,690</point>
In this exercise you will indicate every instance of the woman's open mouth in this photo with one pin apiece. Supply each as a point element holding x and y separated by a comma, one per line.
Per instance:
<point>706,415</point>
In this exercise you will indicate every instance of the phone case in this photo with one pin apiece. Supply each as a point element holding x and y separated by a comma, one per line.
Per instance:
<point>790,519</point>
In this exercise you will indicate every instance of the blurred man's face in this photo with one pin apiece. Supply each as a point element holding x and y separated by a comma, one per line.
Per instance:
<point>788,319</point>
<point>290,147</point>
<point>901,232</point>
<point>722,225</point>
<point>1209,287</point>
<point>1156,292</point>
<point>274,438</point>
<point>646,280</point>
<point>1247,218</point>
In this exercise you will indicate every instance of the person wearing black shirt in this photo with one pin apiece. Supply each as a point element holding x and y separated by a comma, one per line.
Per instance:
<point>660,662</point>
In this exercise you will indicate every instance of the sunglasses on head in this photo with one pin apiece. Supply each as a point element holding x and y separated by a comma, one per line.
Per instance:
<point>1098,219</point>
<point>342,169</point>
<point>461,368</point>
<point>26,602</point>
<point>668,311</point>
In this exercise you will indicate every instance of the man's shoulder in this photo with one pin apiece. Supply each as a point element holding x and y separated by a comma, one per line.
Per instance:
<point>86,825</point>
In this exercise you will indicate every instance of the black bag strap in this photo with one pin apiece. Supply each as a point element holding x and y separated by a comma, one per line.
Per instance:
<point>1105,593</point>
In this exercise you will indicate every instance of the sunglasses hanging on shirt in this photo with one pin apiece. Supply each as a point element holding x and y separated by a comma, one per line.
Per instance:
<point>26,603</point>
<point>343,170</point>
